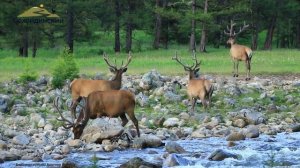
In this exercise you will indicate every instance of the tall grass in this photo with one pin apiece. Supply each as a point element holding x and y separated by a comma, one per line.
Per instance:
<point>90,61</point>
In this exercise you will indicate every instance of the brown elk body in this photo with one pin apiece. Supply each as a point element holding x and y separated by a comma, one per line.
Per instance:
<point>197,88</point>
<point>113,104</point>
<point>83,87</point>
<point>239,52</point>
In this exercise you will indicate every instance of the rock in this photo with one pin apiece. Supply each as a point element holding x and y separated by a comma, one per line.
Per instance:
<point>137,162</point>
<point>175,160</point>
<point>142,99</point>
<point>70,163</point>
<point>158,122</point>
<point>8,156</point>
<point>41,123</point>
<point>239,123</point>
<point>171,122</point>
<point>250,117</point>
<point>231,144</point>
<point>173,147</point>
<point>147,140</point>
<point>48,127</point>
<point>10,133</point>
<point>109,148</point>
<point>296,128</point>
<point>3,145</point>
<point>102,128</point>
<point>21,139</point>
<point>251,132</point>
<point>234,90</point>
<point>43,80</point>
<point>219,155</point>
<point>65,149</point>
<point>172,97</point>
<point>235,136</point>
<point>4,101</point>
<point>76,143</point>
<point>151,80</point>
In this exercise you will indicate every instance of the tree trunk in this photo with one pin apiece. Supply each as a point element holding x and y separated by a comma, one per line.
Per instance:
<point>117,26</point>
<point>34,48</point>
<point>157,28</point>
<point>270,33</point>
<point>129,27</point>
<point>254,37</point>
<point>23,51</point>
<point>193,38</point>
<point>298,36</point>
<point>203,33</point>
<point>70,26</point>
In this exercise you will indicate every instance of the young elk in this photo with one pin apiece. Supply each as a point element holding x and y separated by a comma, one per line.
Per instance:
<point>83,87</point>
<point>197,88</point>
<point>113,104</point>
<point>238,52</point>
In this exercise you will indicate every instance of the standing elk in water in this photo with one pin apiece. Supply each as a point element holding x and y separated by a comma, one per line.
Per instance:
<point>113,104</point>
<point>197,88</point>
<point>83,87</point>
<point>238,52</point>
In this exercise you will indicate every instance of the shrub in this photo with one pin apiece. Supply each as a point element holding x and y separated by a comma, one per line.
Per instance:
<point>28,75</point>
<point>64,69</point>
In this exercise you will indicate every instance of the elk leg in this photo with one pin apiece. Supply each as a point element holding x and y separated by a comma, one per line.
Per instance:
<point>134,120</point>
<point>248,67</point>
<point>203,100</point>
<point>237,69</point>
<point>233,68</point>
<point>124,119</point>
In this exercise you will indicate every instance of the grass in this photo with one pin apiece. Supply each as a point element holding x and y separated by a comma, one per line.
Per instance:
<point>89,61</point>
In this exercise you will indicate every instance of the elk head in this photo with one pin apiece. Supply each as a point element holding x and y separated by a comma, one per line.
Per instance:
<point>193,69</point>
<point>114,69</point>
<point>232,34</point>
<point>77,128</point>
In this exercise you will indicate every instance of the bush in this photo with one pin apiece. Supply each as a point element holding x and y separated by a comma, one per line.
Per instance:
<point>64,69</point>
<point>28,75</point>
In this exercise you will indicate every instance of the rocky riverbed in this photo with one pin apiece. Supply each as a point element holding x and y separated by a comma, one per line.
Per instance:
<point>244,126</point>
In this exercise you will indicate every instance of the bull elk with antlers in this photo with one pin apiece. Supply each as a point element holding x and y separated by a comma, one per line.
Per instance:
<point>197,88</point>
<point>238,52</point>
<point>113,104</point>
<point>83,87</point>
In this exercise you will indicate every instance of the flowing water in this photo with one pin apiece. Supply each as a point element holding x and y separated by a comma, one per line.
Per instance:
<point>281,150</point>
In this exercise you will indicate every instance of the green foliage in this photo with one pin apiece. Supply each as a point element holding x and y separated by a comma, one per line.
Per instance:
<point>94,161</point>
<point>27,75</point>
<point>65,68</point>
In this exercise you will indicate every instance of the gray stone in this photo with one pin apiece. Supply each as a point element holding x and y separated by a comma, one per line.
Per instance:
<point>142,99</point>
<point>21,139</point>
<point>239,123</point>
<point>137,162</point>
<point>3,145</point>
<point>251,132</point>
<point>172,97</point>
<point>219,155</point>
<point>4,101</point>
<point>70,163</point>
<point>296,128</point>
<point>147,140</point>
<point>65,149</point>
<point>171,122</point>
<point>175,160</point>
<point>151,80</point>
<point>76,143</point>
<point>8,156</point>
<point>173,147</point>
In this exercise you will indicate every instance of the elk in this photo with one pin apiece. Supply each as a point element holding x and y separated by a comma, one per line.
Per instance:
<point>83,87</point>
<point>238,52</point>
<point>197,88</point>
<point>112,104</point>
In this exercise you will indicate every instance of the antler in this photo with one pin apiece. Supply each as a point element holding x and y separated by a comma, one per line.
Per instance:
<point>128,60</point>
<point>107,62</point>
<point>70,124</point>
<point>179,61</point>
<point>231,32</point>
<point>197,64</point>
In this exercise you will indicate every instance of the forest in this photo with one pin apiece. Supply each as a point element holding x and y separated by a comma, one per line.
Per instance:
<point>128,25</point>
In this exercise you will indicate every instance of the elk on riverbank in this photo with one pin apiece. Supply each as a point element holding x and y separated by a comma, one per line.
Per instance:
<point>197,88</point>
<point>113,104</point>
<point>238,52</point>
<point>83,87</point>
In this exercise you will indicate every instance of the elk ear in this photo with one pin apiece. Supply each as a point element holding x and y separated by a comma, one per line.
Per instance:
<point>125,69</point>
<point>112,70</point>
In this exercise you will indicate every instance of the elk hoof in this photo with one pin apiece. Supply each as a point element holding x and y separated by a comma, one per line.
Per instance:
<point>235,75</point>
<point>247,79</point>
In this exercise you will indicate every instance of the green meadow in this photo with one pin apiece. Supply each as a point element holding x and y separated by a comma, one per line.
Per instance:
<point>90,62</point>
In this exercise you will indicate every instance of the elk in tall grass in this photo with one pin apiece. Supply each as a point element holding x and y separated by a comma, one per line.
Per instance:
<point>83,87</point>
<point>197,88</point>
<point>112,103</point>
<point>238,52</point>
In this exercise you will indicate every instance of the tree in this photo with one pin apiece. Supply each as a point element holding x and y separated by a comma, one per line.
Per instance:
<point>203,34</point>
<point>193,27</point>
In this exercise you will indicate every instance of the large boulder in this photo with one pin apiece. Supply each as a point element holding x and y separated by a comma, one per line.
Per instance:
<point>173,147</point>
<point>4,101</point>
<point>148,140</point>
<point>220,154</point>
<point>137,162</point>
<point>151,80</point>
<point>102,128</point>
<point>21,139</point>
<point>175,160</point>
<point>249,116</point>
